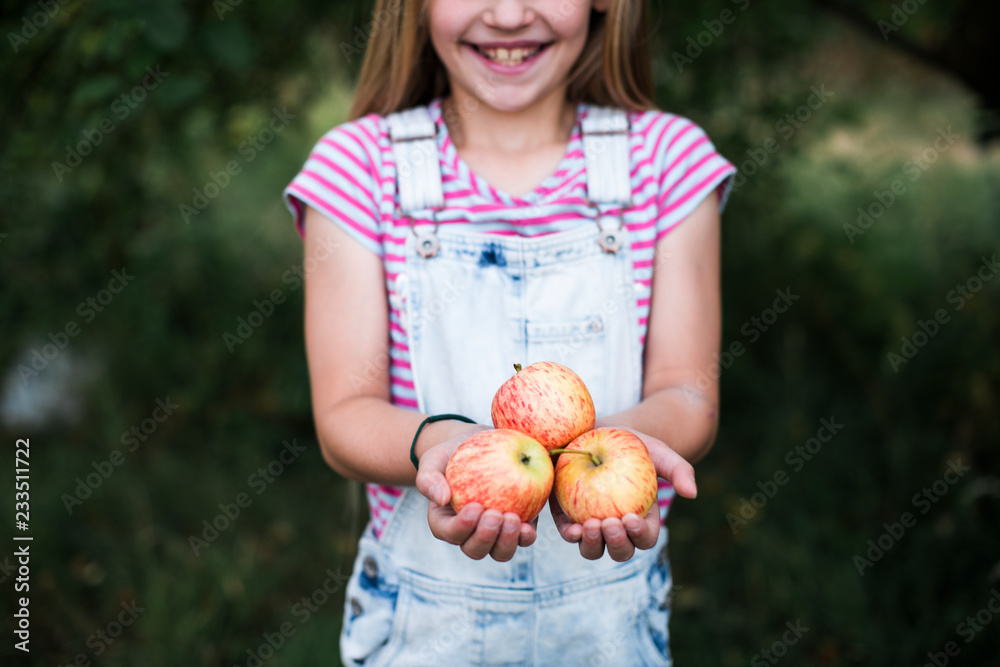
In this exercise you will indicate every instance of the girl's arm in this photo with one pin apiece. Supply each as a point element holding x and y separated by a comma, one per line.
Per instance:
<point>680,399</point>
<point>361,434</point>
<point>678,415</point>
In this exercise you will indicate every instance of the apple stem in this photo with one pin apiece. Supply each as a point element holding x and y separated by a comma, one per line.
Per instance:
<point>553,452</point>
<point>517,368</point>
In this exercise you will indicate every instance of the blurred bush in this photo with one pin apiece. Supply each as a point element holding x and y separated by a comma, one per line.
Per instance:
<point>217,74</point>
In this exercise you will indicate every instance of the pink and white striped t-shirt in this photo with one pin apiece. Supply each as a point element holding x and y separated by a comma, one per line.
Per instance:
<point>350,179</point>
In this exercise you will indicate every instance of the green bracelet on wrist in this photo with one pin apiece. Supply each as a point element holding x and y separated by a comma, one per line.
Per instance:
<point>431,420</point>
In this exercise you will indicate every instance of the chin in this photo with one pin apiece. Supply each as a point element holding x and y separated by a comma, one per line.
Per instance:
<point>509,99</point>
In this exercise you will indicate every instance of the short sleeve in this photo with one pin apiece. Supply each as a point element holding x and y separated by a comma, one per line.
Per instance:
<point>690,170</point>
<point>341,181</point>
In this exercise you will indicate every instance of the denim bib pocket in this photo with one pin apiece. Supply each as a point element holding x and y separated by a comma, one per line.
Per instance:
<point>579,345</point>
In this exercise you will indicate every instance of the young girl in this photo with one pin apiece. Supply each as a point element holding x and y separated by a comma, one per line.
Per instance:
<point>506,193</point>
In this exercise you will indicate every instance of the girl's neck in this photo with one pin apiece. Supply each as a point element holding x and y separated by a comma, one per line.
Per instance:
<point>475,125</point>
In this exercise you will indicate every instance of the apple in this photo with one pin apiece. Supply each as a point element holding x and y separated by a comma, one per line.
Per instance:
<point>605,473</point>
<point>547,401</point>
<point>501,469</point>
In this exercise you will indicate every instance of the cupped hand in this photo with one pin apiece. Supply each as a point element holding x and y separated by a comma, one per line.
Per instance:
<point>623,536</point>
<point>478,531</point>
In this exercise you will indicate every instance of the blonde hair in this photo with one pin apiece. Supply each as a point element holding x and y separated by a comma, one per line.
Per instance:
<point>402,70</point>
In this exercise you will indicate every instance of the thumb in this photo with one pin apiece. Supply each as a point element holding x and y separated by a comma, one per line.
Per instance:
<point>674,468</point>
<point>431,481</point>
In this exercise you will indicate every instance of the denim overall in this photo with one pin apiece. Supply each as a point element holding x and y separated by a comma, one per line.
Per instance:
<point>474,305</point>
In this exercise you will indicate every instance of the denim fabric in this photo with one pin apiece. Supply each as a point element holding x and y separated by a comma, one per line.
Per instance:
<point>486,302</point>
<point>618,618</point>
<point>481,304</point>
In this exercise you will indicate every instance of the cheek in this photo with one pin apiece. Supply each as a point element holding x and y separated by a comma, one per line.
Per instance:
<point>440,45</point>
<point>572,31</point>
<point>572,25</point>
<point>441,34</point>
<point>444,23</point>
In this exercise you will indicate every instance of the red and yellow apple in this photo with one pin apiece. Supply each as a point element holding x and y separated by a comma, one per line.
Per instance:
<point>501,469</point>
<point>606,472</point>
<point>547,401</point>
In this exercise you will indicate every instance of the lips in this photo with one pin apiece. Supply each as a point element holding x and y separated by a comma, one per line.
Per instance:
<point>510,55</point>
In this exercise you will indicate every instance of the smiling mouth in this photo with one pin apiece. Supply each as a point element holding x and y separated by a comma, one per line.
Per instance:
<point>509,57</point>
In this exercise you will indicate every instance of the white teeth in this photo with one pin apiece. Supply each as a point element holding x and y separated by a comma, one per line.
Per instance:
<point>509,57</point>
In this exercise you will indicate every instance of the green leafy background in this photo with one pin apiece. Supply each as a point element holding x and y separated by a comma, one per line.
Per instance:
<point>228,66</point>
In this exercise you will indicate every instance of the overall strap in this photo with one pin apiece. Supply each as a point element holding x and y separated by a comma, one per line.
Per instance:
<point>606,153</point>
<point>413,135</point>
<point>418,171</point>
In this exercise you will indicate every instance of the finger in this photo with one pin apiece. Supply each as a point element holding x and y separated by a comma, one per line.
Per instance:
<point>482,540</point>
<point>643,531</point>
<point>620,548</point>
<point>672,467</point>
<point>527,533</point>
<point>506,543</point>
<point>592,545</point>
<point>570,531</point>
<point>430,477</point>
<point>450,527</point>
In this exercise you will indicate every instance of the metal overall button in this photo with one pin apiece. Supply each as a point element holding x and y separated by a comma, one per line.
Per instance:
<point>370,568</point>
<point>610,240</point>
<point>596,325</point>
<point>356,608</point>
<point>426,244</point>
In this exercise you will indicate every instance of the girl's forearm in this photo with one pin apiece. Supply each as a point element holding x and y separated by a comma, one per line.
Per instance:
<point>681,416</point>
<point>367,439</point>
